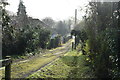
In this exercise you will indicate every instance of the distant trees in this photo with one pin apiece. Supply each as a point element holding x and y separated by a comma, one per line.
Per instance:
<point>49,21</point>
<point>61,28</point>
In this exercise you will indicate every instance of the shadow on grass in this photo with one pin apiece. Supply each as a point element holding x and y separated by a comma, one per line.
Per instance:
<point>78,65</point>
<point>69,60</point>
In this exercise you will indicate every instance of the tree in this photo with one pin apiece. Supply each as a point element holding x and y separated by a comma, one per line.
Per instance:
<point>49,21</point>
<point>102,45</point>
<point>44,37</point>
<point>61,28</point>
<point>22,16</point>
<point>7,31</point>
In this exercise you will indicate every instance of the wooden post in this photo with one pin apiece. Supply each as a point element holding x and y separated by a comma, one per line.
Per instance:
<point>75,42</point>
<point>75,16</point>
<point>8,69</point>
<point>69,25</point>
<point>72,46</point>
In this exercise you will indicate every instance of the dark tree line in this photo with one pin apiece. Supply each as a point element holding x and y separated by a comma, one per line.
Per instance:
<point>102,39</point>
<point>102,31</point>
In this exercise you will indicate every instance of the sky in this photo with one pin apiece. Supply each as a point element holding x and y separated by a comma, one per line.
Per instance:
<point>56,9</point>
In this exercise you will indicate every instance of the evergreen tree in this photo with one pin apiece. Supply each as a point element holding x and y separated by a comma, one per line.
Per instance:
<point>22,16</point>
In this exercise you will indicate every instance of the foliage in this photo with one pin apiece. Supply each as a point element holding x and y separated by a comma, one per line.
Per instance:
<point>7,31</point>
<point>55,42</point>
<point>101,47</point>
<point>26,39</point>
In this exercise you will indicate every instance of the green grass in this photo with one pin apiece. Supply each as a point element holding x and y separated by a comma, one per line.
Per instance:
<point>56,70</point>
<point>18,70</point>
<point>71,65</point>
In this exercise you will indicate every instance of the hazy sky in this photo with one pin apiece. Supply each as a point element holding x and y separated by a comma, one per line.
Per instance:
<point>57,9</point>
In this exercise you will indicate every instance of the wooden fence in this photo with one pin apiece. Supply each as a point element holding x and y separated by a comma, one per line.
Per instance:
<point>7,64</point>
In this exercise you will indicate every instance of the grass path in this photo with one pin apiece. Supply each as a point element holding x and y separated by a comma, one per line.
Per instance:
<point>71,65</point>
<point>26,67</point>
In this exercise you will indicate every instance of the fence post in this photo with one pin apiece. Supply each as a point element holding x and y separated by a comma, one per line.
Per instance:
<point>72,46</point>
<point>75,42</point>
<point>8,69</point>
